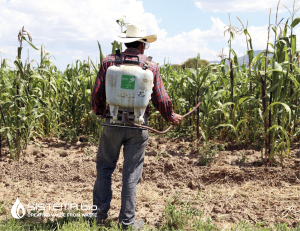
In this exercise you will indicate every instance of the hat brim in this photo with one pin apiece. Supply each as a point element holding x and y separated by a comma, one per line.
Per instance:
<point>123,39</point>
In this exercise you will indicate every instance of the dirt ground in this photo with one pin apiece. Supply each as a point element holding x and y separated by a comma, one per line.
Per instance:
<point>228,191</point>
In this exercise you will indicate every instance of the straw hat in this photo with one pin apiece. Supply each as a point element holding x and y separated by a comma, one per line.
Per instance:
<point>134,33</point>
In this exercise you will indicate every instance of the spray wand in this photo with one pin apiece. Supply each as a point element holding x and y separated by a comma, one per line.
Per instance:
<point>159,132</point>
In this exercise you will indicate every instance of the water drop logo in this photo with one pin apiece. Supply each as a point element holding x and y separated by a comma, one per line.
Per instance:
<point>15,210</point>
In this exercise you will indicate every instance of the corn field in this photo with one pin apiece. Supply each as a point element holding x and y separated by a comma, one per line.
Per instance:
<point>255,103</point>
<point>42,101</point>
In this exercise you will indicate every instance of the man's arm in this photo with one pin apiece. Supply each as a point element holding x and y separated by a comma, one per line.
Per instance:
<point>162,101</point>
<point>98,93</point>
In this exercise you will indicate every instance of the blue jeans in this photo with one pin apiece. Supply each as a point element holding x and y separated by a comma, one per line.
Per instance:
<point>134,143</point>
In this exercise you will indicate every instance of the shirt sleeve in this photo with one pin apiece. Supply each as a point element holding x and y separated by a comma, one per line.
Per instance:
<point>160,98</point>
<point>98,93</point>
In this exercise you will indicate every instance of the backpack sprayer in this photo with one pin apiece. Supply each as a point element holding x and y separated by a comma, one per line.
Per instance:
<point>128,90</point>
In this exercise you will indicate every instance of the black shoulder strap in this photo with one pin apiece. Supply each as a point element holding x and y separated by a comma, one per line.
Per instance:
<point>147,63</point>
<point>118,58</point>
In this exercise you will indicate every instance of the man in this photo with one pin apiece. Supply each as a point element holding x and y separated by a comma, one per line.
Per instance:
<point>133,140</point>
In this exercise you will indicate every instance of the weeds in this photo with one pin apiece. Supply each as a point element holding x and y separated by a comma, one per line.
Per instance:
<point>185,217</point>
<point>3,205</point>
<point>160,154</point>
<point>247,226</point>
<point>69,134</point>
<point>242,159</point>
<point>89,152</point>
<point>208,152</point>
<point>178,216</point>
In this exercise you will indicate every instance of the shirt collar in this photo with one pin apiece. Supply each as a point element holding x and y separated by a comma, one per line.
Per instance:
<point>132,51</point>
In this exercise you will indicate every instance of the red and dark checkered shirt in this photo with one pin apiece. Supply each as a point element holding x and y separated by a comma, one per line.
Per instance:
<point>160,98</point>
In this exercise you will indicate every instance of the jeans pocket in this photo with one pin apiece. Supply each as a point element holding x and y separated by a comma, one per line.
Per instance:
<point>111,132</point>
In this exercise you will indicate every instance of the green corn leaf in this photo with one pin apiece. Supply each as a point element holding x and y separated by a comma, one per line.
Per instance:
<point>9,136</point>
<point>271,45</point>
<point>115,45</point>
<point>285,134</point>
<point>202,133</point>
<point>257,58</point>
<point>236,60</point>
<point>283,41</point>
<point>296,133</point>
<point>285,28</point>
<point>95,68</point>
<point>53,87</point>
<point>227,104</point>
<point>5,88</point>
<point>4,129</point>
<point>294,49</point>
<point>46,62</point>
<point>287,108</point>
<point>94,116</point>
<point>37,76</point>
<point>228,125</point>
<point>281,53</point>
<point>37,144</point>
<point>244,120</point>
<point>45,71</point>
<point>295,94</point>
<point>295,22</point>
<point>19,66</point>
<point>277,68</point>
<point>250,42</point>
<point>241,100</point>
<point>8,104</point>
<point>250,53</point>
<point>246,32</point>
<point>273,87</point>
<point>216,110</point>
<point>295,81</point>
<point>29,43</point>
<point>101,54</point>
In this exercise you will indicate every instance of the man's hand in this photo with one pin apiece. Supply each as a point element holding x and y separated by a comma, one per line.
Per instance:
<point>177,119</point>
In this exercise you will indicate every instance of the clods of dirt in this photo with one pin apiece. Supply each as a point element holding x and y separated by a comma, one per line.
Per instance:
<point>230,190</point>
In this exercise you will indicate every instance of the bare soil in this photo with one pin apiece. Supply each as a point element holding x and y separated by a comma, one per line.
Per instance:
<point>228,191</point>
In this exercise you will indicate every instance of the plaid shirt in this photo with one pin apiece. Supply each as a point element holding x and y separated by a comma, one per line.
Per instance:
<point>160,98</point>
